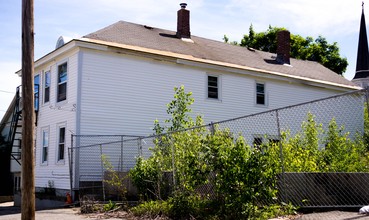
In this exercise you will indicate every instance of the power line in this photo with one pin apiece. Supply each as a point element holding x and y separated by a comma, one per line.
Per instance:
<point>7,91</point>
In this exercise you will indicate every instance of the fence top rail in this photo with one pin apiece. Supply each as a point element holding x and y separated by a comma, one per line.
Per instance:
<point>99,144</point>
<point>362,92</point>
<point>105,135</point>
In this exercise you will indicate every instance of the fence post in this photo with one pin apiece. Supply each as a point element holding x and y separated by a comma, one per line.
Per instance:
<point>281,155</point>
<point>102,172</point>
<point>173,163</point>
<point>367,100</point>
<point>70,155</point>
<point>121,153</point>
<point>139,146</point>
<point>212,129</point>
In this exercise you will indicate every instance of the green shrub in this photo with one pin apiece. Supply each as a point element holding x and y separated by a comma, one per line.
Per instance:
<point>152,209</point>
<point>109,206</point>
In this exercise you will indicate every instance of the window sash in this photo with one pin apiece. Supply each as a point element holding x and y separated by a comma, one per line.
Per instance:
<point>62,82</point>
<point>62,92</point>
<point>61,143</point>
<point>213,87</point>
<point>260,94</point>
<point>45,145</point>
<point>47,82</point>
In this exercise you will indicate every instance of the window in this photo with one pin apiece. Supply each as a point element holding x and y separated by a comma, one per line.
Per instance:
<point>62,82</point>
<point>45,144</point>
<point>36,84</point>
<point>257,141</point>
<point>61,143</point>
<point>46,86</point>
<point>260,93</point>
<point>213,87</point>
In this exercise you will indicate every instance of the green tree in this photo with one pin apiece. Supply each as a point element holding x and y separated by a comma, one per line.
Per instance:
<point>318,50</point>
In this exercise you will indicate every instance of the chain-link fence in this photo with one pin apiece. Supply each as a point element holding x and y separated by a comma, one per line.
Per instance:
<point>312,187</point>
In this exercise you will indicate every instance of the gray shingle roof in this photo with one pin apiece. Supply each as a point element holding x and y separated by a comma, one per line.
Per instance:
<point>164,40</point>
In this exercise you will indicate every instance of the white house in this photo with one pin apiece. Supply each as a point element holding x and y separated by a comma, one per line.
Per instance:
<point>119,79</point>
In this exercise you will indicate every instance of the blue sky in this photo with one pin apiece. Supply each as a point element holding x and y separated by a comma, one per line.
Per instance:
<point>337,20</point>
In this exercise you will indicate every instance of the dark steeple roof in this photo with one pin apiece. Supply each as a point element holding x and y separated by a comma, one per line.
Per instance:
<point>362,62</point>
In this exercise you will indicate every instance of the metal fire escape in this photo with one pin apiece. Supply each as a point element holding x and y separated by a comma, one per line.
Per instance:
<point>15,131</point>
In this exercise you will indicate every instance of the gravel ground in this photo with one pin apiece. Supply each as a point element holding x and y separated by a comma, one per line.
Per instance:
<point>9,212</point>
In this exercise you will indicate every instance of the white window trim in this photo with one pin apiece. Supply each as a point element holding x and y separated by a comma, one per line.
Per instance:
<point>44,87</point>
<point>45,129</point>
<point>58,126</point>
<point>219,99</point>
<point>266,102</point>
<point>57,83</point>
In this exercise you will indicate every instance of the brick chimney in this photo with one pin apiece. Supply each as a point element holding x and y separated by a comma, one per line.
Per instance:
<point>183,22</point>
<point>283,47</point>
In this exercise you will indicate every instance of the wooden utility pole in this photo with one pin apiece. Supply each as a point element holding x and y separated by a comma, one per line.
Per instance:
<point>28,117</point>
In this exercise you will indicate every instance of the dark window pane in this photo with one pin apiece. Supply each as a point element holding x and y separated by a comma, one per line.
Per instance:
<point>61,152</point>
<point>62,92</point>
<point>259,88</point>
<point>47,95</point>
<point>61,135</point>
<point>212,87</point>
<point>44,154</point>
<point>257,141</point>
<point>260,99</point>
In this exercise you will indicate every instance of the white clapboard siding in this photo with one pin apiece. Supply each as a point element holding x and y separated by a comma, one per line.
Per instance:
<point>51,115</point>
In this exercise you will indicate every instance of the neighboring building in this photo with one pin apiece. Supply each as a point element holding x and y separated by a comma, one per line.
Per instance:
<point>119,79</point>
<point>361,77</point>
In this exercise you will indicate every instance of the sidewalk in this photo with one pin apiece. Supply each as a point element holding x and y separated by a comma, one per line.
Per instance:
<point>334,215</point>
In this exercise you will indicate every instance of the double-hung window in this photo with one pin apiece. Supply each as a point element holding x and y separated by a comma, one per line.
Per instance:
<point>213,87</point>
<point>36,83</point>
<point>61,143</point>
<point>62,82</point>
<point>46,87</point>
<point>45,145</point>
<point>260,94</point>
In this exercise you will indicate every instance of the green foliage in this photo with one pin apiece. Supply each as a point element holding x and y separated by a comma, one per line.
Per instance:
<point>366,127</point>
<point>109,206</point>
<point>113,178</point>
<point>243,177</point>
<point>187,206</point>
<point>318,50</point>
<point>300,152</point>
<point>152,209</point>
<point>336,153</point>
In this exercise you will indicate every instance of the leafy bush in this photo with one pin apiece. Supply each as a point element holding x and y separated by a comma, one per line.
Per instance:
<point>244,176</point>
<point>152,209</point>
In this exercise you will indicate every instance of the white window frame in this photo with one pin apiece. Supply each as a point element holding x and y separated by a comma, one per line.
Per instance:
<point>219,86</point>
<point>44,86</point>
<point>60,83</point>
<point>256,94</point>
<point>45,144</point>
<point>58,143</point>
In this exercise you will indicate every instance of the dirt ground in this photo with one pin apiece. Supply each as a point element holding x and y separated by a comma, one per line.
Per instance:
<point>9,212</point>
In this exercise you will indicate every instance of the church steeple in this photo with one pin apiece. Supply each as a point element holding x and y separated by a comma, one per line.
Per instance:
<point>362,62</point>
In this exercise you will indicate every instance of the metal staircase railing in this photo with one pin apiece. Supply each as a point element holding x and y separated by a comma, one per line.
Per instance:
<point>14,124</point>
